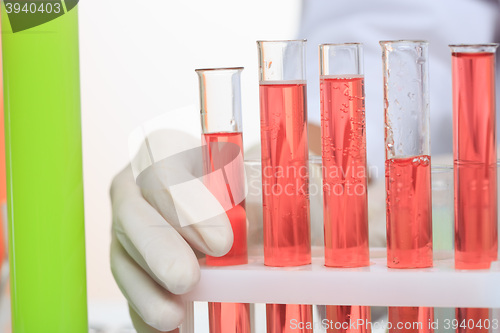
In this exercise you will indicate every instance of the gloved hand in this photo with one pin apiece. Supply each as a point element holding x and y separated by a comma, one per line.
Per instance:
<point>159,221</point>
<point>155,234</point>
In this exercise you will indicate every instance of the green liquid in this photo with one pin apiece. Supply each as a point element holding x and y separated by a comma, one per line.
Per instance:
<point>44,176</point>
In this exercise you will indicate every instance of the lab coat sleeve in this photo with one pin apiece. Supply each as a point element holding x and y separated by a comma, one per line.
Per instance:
<point>440,22</point>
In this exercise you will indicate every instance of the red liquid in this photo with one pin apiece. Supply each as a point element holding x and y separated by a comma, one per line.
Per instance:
<point>350,319</point>
<point>473,320</point>
<point>216,157</point>
<point>409,212</point>
<point>285,190</point>
<point>474,147</point>
<point>285,179</point>
<point>345,207</point>
<point>228,317</point>
<point>289,318</point>
<point>411,319</point>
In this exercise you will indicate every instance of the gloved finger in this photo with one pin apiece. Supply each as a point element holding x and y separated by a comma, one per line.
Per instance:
<point>169,169</point>
<point>156,306</point>
<point>188,206</point>
<point>152,242</point>
<point>141,326</point>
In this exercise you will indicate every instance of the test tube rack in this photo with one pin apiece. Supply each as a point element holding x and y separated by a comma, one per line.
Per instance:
<point>375,285</point>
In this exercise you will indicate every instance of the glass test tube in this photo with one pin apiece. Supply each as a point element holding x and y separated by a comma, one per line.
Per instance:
<point>344,155</point>
<point>343,134</point>
<point>285,175</point>
<point>407,142</point>
<point>411,319</point>
<point>475,155</point>
<point>348,319</point>
<point>475,168</point>
<point>473,320</point>
<point>222,139</point>
<point>44,175</point>
<point>408,164</point>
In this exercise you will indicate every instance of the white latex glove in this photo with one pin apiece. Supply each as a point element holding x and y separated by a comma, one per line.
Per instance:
<point>152,254</point>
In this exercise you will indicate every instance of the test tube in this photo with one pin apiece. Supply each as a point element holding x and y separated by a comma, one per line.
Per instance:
<point>416,319</point>
<point>222,139</point>
<point>475,167</point>
<point>285,175</point>
<point>44,173</point>
<point>343,134</point>
<point>407,152</point>
<point>348,319</point>
<point>408,164</point>
<point>473,320</point>
<point>475,155</point>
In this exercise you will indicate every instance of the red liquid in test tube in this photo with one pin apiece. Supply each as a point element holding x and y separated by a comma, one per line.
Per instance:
<point>285,185</point>
<point>344,172</point>
<point>407,170</point>
<point>289,318</point>
<point>475,168</point>
<point>285,176</point>
<point>474,136</point>
<point>343,145</point>
<point>348,319</point>
<point>229,317</point>
<point>409,212</point>
<point>408,162</point>
<point>411,319</point>
<point>213,144</point>
<point>473,320</point>
<point>224,177</point>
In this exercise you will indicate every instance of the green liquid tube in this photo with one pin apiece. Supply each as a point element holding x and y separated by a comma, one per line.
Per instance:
<point>44,176</point>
